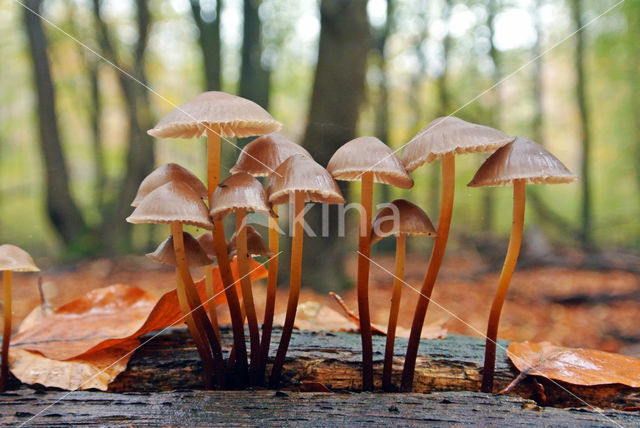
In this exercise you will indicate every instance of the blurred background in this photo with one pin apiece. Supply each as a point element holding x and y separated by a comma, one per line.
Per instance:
<point>80,87</point>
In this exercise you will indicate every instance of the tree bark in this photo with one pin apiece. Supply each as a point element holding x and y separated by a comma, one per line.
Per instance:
<point>63,213</point>
<point>210,44</point>
<point>254,77</point>
<point>338,92</point>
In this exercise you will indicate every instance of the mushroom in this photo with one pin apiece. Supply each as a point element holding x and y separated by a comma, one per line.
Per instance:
<point>442,138</point>
<point>12,259</point>
<point>260,158</point>
<point>206,243</point>
<point>240,193</point>
<point>256,245</point>
<point>519,163</point>
<point>164,174</point>
<point>369,160</point>
<point>176,203</point>
<point>297,180</point>
<point>219,115</point>
<point>401,218</point>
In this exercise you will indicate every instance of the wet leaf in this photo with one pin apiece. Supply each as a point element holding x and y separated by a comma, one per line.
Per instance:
<point>575,365</point>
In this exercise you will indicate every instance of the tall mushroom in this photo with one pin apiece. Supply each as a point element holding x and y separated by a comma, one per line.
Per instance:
<point>176,203</point>
<point>164,174</point>
<point>298,180</point>
<point>241,193</point>
<point>260,158</point>
<point>12,259</point>
<point>442,138</point>
<point>401,218</point>
<point>219,115</point>
<point>369,160</point>
<point>519,163</point>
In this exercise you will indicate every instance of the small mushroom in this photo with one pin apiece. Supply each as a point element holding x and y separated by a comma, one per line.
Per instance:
<point>443,138</point>
<point>164,174</point>
<point>260,158</point>
<point>369,160</point>
<point>12,259</point>
<point>176,203</point>
<point>401,218</point>
<point>256,245</point>
<point>206,243</point>
<point>240,193</point>
<point>519,163</point>
<point>298,179</point>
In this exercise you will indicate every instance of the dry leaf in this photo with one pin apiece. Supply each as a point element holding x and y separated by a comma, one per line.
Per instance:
<point>315,316</point>
<point>574,365</point>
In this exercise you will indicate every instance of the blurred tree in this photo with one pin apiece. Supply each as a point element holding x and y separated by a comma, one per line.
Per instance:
<point>254,76</point>
<point>338,91</point>
<point>632,13</point>
<point>209,40</point>
<point>537,124</point>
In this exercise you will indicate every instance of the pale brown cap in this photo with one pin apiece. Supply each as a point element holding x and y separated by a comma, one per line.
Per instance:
<point>264,154</point>
<point>239,192</point>
<point>173,201</point>
<point>301,174</point>
<point>521,160</point>
<point>451,135</point>
<point>165,253</point>
<point>368,154</point>
<point>401,217</point>
<point>256,245</point>
<point>235,116</point>
<point>16,259</point>
<point>164,174</point>
<point>206,242</point>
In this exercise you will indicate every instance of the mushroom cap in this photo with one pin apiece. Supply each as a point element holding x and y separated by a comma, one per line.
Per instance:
<point>206,242</point>
<point>410,220</point>
<point>301,174</point>
<point>450,134</point>
<point>173,201</point>
<point>16,259</point>
<point>264,154</point>
<point>164,174</point>
<point>256,245</point>
<point>522,159</point>
<point>165,253</point>
<point>234,116</point>
<point>368,154</point>
<point>239,191</point>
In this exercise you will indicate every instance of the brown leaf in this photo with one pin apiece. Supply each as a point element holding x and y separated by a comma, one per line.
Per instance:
<point>575,365</point>
<point>315,316</point>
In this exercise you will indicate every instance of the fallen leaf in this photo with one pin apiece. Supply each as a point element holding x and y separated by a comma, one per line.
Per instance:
<point>314,316</point>
<point>576,366</point>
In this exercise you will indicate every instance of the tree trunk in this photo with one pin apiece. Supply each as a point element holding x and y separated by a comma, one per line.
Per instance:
<point>338,92</point>
<point>584,135</point>
<point>210,44</point>
<point>61,208</point>
<point>537,123</point>
<point>254,77</point>
<point>632,12</point>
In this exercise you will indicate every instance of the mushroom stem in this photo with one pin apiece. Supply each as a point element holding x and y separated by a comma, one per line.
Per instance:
<point>247,294</point>
<point>509,266</point>
<point>294,287</point>
<point>211,299</point>
<point>364,251</point>
<point>272,283</point>
<point>393,313</point>
<point>211,346</point>
<point>437,254</point>
<point>220,244</point>
<point>6,336</point>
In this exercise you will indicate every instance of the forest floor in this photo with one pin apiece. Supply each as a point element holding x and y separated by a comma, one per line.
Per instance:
<point>576,308</point>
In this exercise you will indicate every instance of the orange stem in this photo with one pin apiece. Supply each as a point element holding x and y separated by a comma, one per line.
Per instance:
<point>294,288</point>
<point>272,284</point>
<point>211,300</point>
<point>437,254</point>
<point>393,312</point>
<point>6,336</point>
<point>364,251</point>
<point>509,266</point>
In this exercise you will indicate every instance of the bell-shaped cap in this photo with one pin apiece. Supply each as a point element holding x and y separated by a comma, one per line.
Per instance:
<point>301,174</point>
<point>401,217</point>
<point>164,174</point>
<point>165,253</point>
<point>451,135</point>
<point>16,259</point>
<point>256,245</point>
<point>368,154</point>
<point>206,242</point>
<point>264,154</point>
<point>230,115</point>
<point>239,192</point>
<point>521,160</point>
<point>171,202</point>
